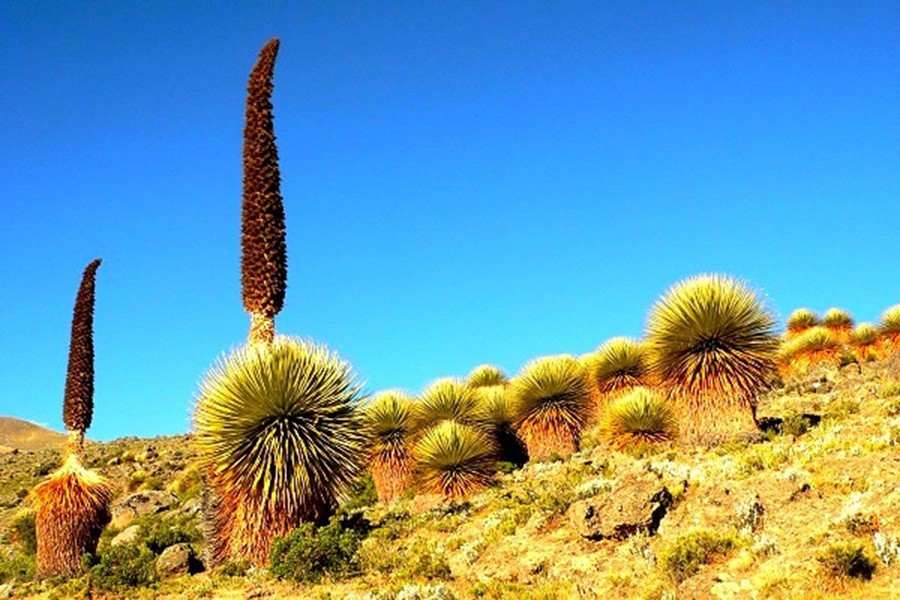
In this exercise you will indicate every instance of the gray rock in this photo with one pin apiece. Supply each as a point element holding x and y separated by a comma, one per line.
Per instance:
<point>136,505</point>
<point>126,536</point>
<point>176,561</point>
<point>191,506</point>
<point>633,507</point>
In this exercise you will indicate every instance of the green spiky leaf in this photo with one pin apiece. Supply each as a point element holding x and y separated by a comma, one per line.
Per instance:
<point>454,459</point>
<point>712,341</point>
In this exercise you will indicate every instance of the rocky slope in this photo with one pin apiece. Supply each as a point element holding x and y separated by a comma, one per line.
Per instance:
<point>777,515</point>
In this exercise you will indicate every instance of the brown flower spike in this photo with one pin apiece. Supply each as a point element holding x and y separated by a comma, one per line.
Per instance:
<point>78,403</point>
<point>264,251</point>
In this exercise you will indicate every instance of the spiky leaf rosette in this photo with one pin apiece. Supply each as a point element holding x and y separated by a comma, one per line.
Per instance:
<point>813,346</point>
<point>498,415</point>
<point>618,366</point>
<point>713,346</point>
<point>70,510</point>
<point>637,418</point>
<point>800,320</point>
<point>454,460</point>
<point>263,247</point>
<point>551,400</point>
<point>866,341</point>
<point>485,375</point>
<point>390,422</point>
<point>839,321</point>
<point>279,439</point>
<point>447,400</point>
<point>890,326</point>
<point>78,402</point>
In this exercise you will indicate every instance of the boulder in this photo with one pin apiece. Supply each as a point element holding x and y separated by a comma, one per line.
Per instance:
<point>178,560</point>
<point>632,507</point>
<point>136,505</point>
<point>126,536</point>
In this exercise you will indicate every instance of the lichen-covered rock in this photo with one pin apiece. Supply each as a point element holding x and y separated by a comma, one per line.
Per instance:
<point>126,536</point>
<point>136,505</point>
<point>632,507</point>
<point>176,561</point>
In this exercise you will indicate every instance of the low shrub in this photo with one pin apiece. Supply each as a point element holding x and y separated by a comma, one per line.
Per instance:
<point>158,534</point>
<point>309,553</point>
<point>23,533</point>
<point>16,566</point>
<point>847,560</point>
<point>122,567</point>
<point>361,494</point>
<point>683,557</point>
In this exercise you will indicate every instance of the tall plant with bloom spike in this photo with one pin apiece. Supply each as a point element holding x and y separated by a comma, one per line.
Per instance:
<point>263,246</point>
<point>72,505</point>
<point>278,432</point>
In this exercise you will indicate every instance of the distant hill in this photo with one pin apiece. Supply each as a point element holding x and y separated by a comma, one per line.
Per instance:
<point>25,435</point>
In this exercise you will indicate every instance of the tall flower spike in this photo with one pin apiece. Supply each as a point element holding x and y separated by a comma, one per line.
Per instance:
<point>263,247</point>
<point>78,402</point>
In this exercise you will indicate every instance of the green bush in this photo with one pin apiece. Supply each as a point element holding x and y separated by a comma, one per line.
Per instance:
<point>22,527</point>
<point>158,534</point>
<point>361,494</point>
<point>684,557</point>
<point>15,566</point>
<point>235,569</point>
<point>847,560</point>
<point>309,553</point>
<point>126,566</point>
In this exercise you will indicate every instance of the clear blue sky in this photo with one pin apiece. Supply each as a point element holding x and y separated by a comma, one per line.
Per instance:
<point>465,182</point>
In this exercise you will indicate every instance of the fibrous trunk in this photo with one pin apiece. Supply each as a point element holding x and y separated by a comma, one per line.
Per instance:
<point>70,511</point>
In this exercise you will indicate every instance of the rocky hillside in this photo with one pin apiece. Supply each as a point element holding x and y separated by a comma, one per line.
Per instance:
<point>809,508</point>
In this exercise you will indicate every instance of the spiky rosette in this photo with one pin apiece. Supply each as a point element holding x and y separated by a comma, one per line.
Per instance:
<point>485,375</point>
<point>801,320</point>
<point>812,347</point>
<point>618,366</point>
<point>278,439</point>
<point>447,400</point>
<point>840,322</point>
<point>890,327</point>
<point>498,415</point>
<point>637,418</point>
<point>454,460</point>
<point>70,510</point>
<point>551,400</point>
<point>866,342</point>
<point>389,421</point>
<point>263,247</point>
<point>78,402</point>
<point>713,347</point>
